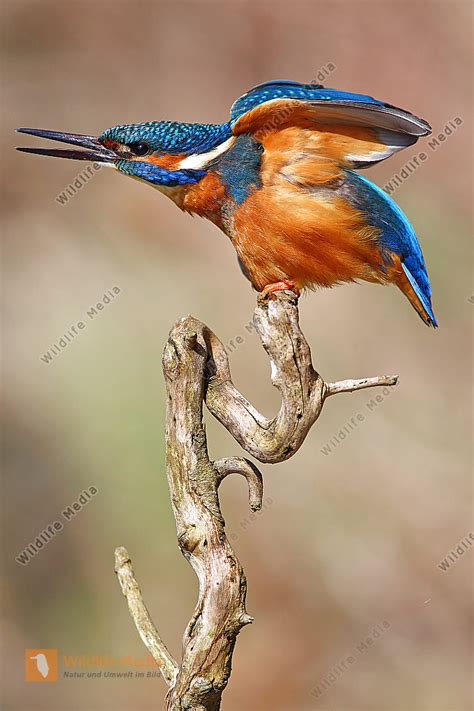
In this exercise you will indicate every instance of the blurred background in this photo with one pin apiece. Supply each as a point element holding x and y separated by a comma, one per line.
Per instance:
<point>351,533</point>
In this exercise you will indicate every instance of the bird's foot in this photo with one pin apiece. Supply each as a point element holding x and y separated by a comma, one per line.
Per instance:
<point>283,285</point>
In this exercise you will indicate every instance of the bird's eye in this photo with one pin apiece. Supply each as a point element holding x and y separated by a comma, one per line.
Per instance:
<point>139,148</point>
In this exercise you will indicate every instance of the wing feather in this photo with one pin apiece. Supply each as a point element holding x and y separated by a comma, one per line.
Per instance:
<point>356,130</point>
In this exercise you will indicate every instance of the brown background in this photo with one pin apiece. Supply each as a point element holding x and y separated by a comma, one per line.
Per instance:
<point>346,540</point>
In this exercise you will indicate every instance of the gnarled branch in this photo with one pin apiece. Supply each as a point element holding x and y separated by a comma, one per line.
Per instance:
<point>196,369</point>
<point>302,389</point>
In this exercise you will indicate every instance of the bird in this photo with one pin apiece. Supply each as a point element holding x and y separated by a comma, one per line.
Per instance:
<point>280,178</point>
<point>41,664</point>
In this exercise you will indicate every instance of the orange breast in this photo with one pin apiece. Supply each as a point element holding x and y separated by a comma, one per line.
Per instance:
<point>313,239</point>
<point>297,226</point>
<point>206,198</point>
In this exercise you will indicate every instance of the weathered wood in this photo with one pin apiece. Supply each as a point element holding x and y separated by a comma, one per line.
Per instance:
<point>302,389</point>
<point>193,481</point>
<point>140,615</point>
<point>196,370</point>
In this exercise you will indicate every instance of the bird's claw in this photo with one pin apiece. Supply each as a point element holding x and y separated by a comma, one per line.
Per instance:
<point>284,285</point>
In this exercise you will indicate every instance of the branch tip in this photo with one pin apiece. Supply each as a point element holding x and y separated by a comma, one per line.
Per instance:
<point>121,558</point>
<point>141,617</point>
<point>240,465</point>
<point>246,619</point>
<point>349,386</point>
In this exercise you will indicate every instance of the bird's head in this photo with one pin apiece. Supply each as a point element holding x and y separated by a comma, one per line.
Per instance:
<point>164,154</point>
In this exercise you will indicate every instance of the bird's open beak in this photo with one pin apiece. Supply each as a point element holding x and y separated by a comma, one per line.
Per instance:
<point>95,151</point>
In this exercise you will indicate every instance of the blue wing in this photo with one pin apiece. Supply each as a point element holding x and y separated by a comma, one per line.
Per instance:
<point>397,234</point>
<point>280,104</point>
<point>293,90</point>
<point>277,105</point>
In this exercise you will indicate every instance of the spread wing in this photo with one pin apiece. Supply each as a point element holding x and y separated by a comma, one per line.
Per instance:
<point>354,130</point>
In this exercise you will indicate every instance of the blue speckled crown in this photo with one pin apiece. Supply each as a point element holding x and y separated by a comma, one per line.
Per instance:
<point>171,136</point>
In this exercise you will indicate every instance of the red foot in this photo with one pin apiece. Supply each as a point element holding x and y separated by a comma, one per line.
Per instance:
<point>284,285</point>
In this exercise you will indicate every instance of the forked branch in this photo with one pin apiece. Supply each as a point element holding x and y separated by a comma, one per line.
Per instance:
<point>196,370</point>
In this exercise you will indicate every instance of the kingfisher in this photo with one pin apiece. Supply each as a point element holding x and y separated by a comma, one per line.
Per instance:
<point>280,180</point>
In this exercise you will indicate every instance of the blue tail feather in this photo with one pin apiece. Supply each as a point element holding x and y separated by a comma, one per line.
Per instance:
<point>397,235</point>
<point>424,298</point>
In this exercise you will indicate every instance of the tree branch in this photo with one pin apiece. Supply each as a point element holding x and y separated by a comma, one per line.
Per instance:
<point>350,386</point>
<point>196,369</point>
<point>239,465</point>
<point>143,622</point>
<point>302,389</point>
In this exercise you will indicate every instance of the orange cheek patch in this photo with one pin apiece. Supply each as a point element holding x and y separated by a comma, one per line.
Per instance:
<point>110,143</point>
<point>170,162</point>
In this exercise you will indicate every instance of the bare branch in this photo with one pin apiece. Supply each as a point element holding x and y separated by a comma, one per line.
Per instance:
<point>239,465</point>
<point>302,389</point>
<point>196,369</point>
<point>141,616</point>
<point>349,386</point>
<point>220,612</point>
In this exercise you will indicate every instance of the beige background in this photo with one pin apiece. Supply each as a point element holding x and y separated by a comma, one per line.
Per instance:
<point>346,540</point>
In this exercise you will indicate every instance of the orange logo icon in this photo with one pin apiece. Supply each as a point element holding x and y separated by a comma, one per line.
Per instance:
<point>41,664</point>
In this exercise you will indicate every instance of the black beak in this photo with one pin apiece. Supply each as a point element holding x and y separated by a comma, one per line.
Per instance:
<point>95,151</point>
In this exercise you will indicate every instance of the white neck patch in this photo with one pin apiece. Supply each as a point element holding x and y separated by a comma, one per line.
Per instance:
<point>200,160</point>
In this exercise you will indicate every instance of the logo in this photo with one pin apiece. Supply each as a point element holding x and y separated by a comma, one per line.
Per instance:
<point>41,664</point>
